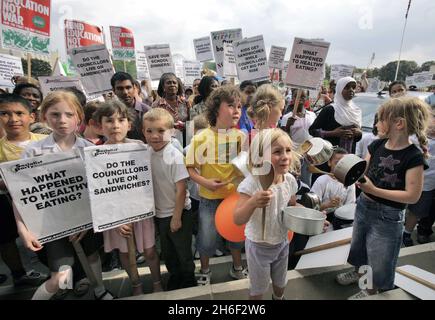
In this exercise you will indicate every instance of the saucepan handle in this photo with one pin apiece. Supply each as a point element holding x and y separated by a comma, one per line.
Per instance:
<point>362,180</point>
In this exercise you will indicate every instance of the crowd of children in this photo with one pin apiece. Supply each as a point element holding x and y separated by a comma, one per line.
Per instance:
<point>189,188</point>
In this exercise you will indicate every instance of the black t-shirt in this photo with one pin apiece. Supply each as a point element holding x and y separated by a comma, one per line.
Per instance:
<point>387,168</point>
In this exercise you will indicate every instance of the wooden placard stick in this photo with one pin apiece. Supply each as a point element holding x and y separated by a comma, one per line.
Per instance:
<point>85,264</point>
<point>29,66</point>
<point>125,66</point>
<point>416,279</point>
<point>273,75</point>
<point>132,265</point>
<point>326,246</point>
<point>296,105</point>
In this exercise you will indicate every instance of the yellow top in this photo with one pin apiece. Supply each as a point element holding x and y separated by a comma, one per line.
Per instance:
<point>211,153</point>
<point>12,152</point>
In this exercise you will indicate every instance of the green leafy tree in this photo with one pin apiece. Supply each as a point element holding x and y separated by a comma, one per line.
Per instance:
<point>40,68</point>
<point>426,66</point>
<point>407,68</point>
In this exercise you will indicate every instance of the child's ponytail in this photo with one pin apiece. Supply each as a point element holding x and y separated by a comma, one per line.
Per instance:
<point>424,144</point>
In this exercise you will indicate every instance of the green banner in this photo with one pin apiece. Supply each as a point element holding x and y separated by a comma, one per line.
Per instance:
<point>122,54</point>
<point>12,39</point>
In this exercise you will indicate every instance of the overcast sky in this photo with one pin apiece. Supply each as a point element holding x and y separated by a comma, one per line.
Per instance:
<point>355,28</point>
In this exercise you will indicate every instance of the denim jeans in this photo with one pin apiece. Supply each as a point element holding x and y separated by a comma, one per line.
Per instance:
<point>376,240</point>
<point>207,233</point>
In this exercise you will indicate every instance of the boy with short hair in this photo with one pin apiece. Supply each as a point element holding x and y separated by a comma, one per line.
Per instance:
<point>16,116</point>
<point>332,193</point>
<point>210,154</point>
<point>172,203</point>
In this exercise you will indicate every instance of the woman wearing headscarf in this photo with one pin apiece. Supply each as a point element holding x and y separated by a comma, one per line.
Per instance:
<point>340,123</point>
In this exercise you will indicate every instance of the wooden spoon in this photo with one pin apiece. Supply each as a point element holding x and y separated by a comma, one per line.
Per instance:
<point>326,246</point>
<point>266,182</point>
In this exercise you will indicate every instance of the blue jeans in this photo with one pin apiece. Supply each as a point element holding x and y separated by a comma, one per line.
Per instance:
<point>376,240</point>
<point>207,233</point>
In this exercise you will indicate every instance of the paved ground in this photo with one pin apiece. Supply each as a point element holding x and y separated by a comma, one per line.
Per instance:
<point>301,286</point>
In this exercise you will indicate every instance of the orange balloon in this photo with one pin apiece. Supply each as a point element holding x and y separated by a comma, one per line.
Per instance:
<point>224,220</point>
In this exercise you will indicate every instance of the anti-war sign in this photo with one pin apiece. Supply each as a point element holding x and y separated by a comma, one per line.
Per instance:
<point>306,63</point>
<point>218,39</point>
<point>276,57</point>
<point>25,25</point>
<point>339,71</point>
<point>9,66</point>
<point>81,34</point>
<point>51,194</point>
<point>120,184</point>
<point>230,67</point>
<point>192,71</point>
<point>159,60</point>
<point>122,43</point>
<point>143,72</point>
<point>94,67</point>
<point>251,59</point>
<point>50,84</point>
<point>203,49</point>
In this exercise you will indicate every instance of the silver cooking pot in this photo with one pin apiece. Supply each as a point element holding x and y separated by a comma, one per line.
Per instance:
<point>350,169</point>
<point>311,200</point>
<point>317,151</point>
<point>303,220</point>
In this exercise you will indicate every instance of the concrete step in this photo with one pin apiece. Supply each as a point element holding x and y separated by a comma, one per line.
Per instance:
<point>311,284</point>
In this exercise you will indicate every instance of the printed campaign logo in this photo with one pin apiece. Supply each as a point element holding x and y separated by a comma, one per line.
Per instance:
<point>19,167</point>
<point>99,152</point>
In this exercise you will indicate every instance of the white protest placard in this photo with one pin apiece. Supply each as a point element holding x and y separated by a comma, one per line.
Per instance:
<point>326,258</point>
<point>410,81</point>
<point>51,194</point>
<point>423,79</point>
<point>192,71</point>
<point>50,84</point>
<point>9,66</point>
<point>203,49</point>
<point>339,71</point>
<point>95,68</point>
<point>159,60</point>
<point>143,72</point>
<point>218,38</point>
<point>276,57</point>
<point>413,287</point>
<point>306,63</point>
<point>375,85</point>
<point>120,184</point>
<point>230,67</point>
<point>251,59</point>
<point>178,61</point>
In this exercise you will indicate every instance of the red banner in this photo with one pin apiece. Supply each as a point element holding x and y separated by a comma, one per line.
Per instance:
<point>122,38</point>
<point>28,15</point>
<point>81,34</point>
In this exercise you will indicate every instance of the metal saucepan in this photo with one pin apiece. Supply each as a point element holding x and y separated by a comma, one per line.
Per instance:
<point>350,169</point>
<point>320,151</point>
<point>303,220</point>
<point>311,200</point>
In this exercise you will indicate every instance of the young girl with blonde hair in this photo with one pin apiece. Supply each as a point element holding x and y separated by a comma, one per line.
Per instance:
<point>394,179</point>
